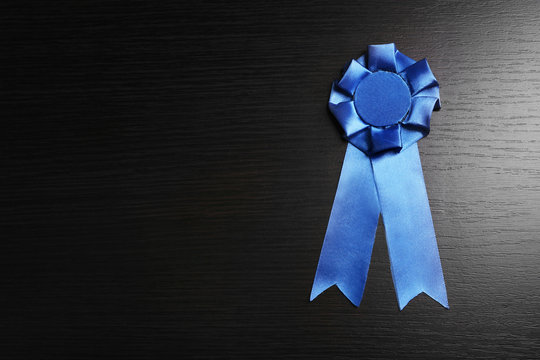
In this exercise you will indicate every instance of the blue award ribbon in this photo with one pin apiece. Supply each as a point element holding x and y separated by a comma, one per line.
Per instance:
<point>383,102</point>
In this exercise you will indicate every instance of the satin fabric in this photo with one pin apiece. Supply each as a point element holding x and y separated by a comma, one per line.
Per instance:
<point>346,251</point>
<point>424,98</point>
<point>382,174</point>
<point>410,235</point>
<point>393,186</point>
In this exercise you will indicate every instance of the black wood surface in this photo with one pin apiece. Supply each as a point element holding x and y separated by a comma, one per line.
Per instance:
<point>168,169</point>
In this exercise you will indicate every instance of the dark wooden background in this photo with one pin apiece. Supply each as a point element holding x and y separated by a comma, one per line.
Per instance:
<point>168,169</point>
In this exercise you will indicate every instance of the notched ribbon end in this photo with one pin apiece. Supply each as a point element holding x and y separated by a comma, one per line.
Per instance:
<point>441,298</point>
<point>317,290</point>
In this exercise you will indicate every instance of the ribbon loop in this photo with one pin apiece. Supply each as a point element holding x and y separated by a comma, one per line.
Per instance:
<point>385,139</point>
<point>347,117</point>
<point>382,57</point>
<point>420,114</point>
<point>402,61</point>
<point>352,76</point>
<point>419,76</point>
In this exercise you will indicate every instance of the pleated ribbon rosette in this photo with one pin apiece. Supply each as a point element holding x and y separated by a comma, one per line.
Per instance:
<point>383,103</point>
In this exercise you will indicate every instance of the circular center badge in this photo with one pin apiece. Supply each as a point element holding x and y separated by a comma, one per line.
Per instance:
<point>382,99</point>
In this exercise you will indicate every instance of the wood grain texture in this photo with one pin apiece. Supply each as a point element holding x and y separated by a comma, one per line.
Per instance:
<point>168,169</point>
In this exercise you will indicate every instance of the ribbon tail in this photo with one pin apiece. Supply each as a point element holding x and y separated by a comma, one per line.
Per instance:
<point>410,236</point>
<point>348,243</point>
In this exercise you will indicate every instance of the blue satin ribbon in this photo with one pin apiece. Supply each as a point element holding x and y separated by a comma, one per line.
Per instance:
<point>383,102</point>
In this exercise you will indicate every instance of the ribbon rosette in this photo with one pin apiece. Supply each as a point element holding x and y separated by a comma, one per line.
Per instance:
<point>383,102</point>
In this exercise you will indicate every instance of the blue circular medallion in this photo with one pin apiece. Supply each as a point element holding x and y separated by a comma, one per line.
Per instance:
<point>382,98</point>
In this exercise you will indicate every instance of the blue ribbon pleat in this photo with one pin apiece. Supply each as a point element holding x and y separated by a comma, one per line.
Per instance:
<point>391,184</point>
